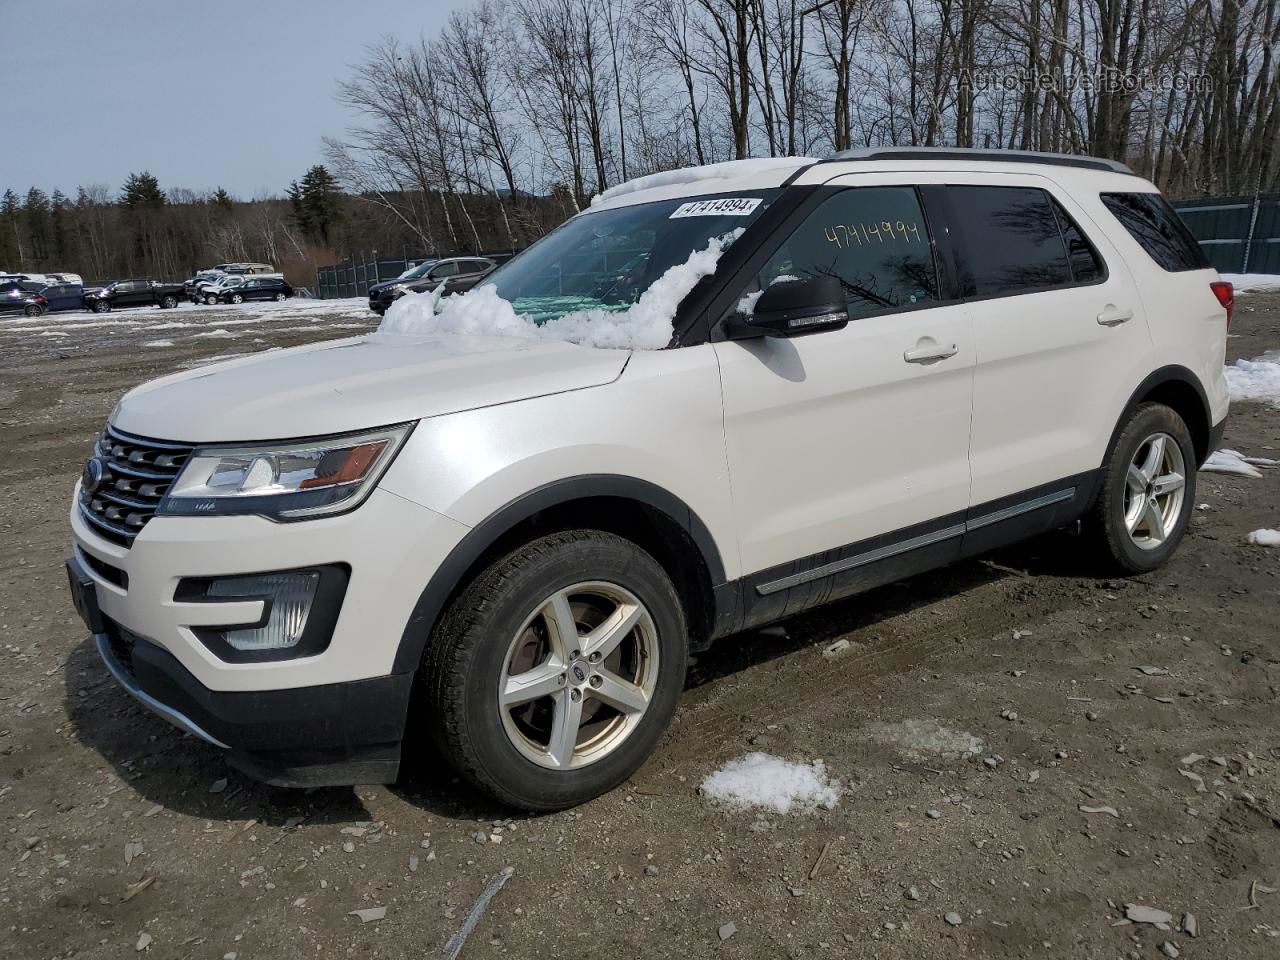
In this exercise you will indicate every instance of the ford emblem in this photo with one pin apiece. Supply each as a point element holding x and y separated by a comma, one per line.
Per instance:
<point>91,478</point>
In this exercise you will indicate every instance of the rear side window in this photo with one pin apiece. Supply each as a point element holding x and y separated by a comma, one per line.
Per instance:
<point>873,239</point>
<point>1010,240</point>
<point>1158,229</point>
<point>1086,265</point>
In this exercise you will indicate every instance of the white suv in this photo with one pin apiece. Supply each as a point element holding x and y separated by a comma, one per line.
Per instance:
<point>859,369</point>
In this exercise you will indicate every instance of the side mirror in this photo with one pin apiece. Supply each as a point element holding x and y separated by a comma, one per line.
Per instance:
<point>793,308</point>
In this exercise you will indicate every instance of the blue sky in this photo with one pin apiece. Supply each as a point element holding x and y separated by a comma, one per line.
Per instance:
<point>236,93</point>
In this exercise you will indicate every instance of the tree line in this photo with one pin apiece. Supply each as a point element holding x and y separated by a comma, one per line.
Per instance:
<point>564,98</point>
<point>485,135</point>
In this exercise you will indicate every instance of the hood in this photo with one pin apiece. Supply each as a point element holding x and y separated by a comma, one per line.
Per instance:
<point>357,384</point>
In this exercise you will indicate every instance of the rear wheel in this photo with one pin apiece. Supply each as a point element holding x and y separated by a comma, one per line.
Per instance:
<point>1148,490</point>
<point>33,310</point>
<point>281,297</point>
<point>553,674</point>
<point>237,298</point>
<point>210,301</point>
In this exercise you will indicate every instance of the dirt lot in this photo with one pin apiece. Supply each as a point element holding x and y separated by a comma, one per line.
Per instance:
<point>121,835</point>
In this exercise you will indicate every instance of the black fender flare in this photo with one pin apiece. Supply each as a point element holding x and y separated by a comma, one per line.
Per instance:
<point>1170,373</point>
<point>449,574</point>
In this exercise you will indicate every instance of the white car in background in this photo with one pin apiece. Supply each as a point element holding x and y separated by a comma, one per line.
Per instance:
<point>466,528</point>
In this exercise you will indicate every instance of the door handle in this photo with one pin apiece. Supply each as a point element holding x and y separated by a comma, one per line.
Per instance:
<point>930,353</point>
<point>1113,316</point>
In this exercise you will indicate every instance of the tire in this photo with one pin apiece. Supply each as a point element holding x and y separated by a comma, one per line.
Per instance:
<point>168,302</point>
<point>101,306</point>
<point>210,301</point>
<point>1125,497</point>
<point>496,629</point>
<point>236,298</point>
<point>281,298</point>
<point>33,310</point>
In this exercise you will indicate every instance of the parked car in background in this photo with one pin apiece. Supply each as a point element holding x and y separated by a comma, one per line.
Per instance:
<point>256,288</point>
<point>133,293</point>
<point>17,299</point>
<point>210,291</point>
<point>457,274</point>
<point>252,269</point>
<point>192,287</point>
<point>63,296</point>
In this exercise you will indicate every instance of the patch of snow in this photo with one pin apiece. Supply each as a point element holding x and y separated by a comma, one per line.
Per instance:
<point>1252,282</point>
<point>923,739</point>
<point>645,325</point>
<point>1265,538</point>
<point>220,334</point>
<point>1254,379</point>
<point>747,305</point>
<point>771,783</point>
<point>1229,461</point>
<point>710,171</point>
<point>159,343</point>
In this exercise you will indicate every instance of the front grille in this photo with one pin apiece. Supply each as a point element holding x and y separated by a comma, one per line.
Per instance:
<point>137,472</point>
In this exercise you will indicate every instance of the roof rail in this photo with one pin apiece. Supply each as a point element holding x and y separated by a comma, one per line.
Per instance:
<point>973,153</point>
<point>712,171</point>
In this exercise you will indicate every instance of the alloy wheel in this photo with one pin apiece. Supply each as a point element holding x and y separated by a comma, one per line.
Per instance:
<point>579,675</point>
<point>1155,487</point>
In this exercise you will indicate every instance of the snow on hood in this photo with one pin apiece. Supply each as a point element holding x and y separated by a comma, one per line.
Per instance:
<point>710,171</point>
<point>645,325</point>
<point>355,384</point>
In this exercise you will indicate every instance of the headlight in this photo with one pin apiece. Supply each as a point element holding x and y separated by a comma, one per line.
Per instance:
<point>400,288</point>
<point>286,481</point>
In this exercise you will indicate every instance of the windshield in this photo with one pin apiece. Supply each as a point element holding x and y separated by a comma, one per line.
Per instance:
<point>419,271</point>
<point>606,260</point>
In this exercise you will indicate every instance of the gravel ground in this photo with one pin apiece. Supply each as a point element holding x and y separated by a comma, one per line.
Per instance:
<point>123,836</point>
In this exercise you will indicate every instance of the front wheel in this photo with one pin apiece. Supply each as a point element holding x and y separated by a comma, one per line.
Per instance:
<point>281,297</point>
<point>1147,492</point>
<point>237,298</point>
<point>168,302</point>
<point>551,677</point>
<point>101,306</point>
<point>210,301</point>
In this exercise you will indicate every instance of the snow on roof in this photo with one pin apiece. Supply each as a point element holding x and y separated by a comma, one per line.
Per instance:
<point>712,171</point>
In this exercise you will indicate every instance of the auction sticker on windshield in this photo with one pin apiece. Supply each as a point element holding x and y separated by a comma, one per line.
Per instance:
<point>720,207</point>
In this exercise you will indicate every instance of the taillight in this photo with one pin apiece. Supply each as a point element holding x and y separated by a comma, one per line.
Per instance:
<point>1226,295</point>
<point>41,300</point>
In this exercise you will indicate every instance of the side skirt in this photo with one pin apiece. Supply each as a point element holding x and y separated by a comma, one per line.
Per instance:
<point>790,588</point>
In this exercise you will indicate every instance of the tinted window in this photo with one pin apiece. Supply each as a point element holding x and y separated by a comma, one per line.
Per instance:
<point>1158,228</point>
<point>1086,265</point>
<point>445,270</point>
<point>1009,240</point>
<point>477,266</point>
<point>873,239</point>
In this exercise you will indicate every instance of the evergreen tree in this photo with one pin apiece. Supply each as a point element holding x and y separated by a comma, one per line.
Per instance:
<point>222,201</point>
<point>11,252</point>
<point>141,191</point>
<point>59,229</point>
<point>316,203</point>
<point>35,217</point>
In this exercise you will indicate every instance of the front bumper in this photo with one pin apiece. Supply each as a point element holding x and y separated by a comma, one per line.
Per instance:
<point>335,734</point>
<point>334,717</point>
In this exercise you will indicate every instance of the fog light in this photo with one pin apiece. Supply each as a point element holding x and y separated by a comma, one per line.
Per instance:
<point>287,599</point>
<point>299,611</point>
